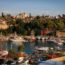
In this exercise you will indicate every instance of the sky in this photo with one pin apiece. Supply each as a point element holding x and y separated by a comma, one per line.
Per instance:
<point>35,7</point>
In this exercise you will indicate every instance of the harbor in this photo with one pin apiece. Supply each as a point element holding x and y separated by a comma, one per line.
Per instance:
<point>27,39</point>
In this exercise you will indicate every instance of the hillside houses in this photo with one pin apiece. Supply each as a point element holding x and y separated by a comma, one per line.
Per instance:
<point>22,15</point>
<point>60,34</point>
<point>3,24</point>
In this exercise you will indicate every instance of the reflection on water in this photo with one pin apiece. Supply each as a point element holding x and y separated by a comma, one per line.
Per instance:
<point>29,46</point>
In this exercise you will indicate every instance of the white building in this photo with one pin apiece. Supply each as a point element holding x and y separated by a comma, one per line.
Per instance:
<point>22,15</point>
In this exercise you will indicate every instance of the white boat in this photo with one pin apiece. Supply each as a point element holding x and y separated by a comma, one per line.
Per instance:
<point>3,53</point>
<point>17,40</point>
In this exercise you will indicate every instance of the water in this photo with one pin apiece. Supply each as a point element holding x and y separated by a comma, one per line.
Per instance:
<point>51,63</point>
<point>27,47</point>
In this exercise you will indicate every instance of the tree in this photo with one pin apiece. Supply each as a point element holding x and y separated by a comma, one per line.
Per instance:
<point>3,14</point>
<point>50,24</point>
<point>21,26</point>
<point>58,24</point>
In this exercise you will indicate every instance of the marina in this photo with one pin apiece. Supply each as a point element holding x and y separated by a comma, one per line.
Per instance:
<point>32,32</point>
<point>41,51</point>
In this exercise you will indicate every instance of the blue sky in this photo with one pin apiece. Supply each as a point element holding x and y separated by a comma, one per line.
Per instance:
<point>35,7</point>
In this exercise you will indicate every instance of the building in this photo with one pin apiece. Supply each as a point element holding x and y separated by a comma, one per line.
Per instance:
<point>60,33</point>
<point>22,15</point>
<point>3,24</point>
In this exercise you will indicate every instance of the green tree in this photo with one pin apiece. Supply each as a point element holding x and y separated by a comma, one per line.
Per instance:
<point>3,15</point>
<point>59,24</point>
<point>21,26</point>
<point>50,24</point>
